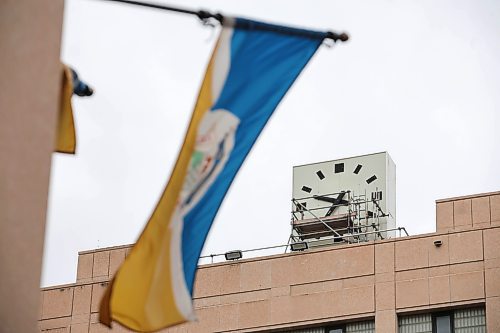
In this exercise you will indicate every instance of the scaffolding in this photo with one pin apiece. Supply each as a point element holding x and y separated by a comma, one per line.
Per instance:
<point>345,218</point>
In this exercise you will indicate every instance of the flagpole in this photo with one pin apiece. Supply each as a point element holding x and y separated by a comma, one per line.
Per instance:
<point>204,15</point>
<point>201,14</point>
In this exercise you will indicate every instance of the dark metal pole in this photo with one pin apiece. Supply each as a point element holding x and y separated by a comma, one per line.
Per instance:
<point>205,15</point>
<point>201,14</point>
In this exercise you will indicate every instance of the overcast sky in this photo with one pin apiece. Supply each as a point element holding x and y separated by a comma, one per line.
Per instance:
<point>419,79</point>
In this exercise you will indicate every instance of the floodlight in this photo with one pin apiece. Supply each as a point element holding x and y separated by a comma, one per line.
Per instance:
<point>233,255</point>
<point>299,246</point>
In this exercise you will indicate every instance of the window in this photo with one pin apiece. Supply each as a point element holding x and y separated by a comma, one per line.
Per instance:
<point>335,330</point>
<point>457,321</point>
<point>417,323</point>
<point>356,327</point>
<point>442,323</point>
<point>470,320</point>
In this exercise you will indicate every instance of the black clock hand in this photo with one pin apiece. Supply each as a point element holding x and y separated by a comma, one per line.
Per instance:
<point>328,199</point>
<point>323,198</point>
<point>336,203</point>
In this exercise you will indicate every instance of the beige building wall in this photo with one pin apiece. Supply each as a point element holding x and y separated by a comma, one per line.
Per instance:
<point>376,280</point>
<point>30,35</point>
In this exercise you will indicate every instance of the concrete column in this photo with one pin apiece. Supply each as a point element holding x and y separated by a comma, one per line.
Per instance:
<point>493,314</point>
<point>30,35</point>
<point>386,321</point>
<point>385,288</point>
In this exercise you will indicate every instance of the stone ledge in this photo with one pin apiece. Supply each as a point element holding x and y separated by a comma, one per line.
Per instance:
<point>470,196</point>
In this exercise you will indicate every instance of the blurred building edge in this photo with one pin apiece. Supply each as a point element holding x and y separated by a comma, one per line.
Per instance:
<point>450,278</point>
<point>30,39</point>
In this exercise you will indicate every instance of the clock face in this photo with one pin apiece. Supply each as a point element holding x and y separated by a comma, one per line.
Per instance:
<point>323,188</point>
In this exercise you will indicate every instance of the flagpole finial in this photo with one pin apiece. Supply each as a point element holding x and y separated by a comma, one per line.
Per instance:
<point>343,37</point>
<point>205,15</point>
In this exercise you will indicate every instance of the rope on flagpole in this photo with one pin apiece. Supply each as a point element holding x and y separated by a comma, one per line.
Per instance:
<point>205,16</point>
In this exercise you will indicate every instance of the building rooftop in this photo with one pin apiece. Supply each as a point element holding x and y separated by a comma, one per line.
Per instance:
<point>371,284</point>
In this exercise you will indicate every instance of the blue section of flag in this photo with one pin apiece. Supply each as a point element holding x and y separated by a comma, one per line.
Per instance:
<point>242,24</point>
<point>264,64</point>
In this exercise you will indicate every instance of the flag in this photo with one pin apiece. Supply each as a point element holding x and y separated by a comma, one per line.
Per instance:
<point>71,84</point>
<point>66,137</point>
<point>252,67</point>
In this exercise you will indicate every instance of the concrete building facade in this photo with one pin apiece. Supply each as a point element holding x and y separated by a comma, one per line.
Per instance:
<point>30,85</point>
<point>421,283</point>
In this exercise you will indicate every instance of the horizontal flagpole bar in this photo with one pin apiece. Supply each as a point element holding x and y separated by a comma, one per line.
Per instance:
<point>314,241</point>
<point>205,15</point>
<point>201,14</point>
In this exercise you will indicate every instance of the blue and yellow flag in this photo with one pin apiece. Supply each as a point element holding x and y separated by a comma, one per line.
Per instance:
<point>66,134</point>
<point>66,137</point>
<point>251,69</point>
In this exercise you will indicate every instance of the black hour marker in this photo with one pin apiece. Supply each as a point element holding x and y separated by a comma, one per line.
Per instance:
<point>306,189</point>
<point>376,195</point>
<point>339,167</point>
<point>301,206</point>
<point>371,179</point>
<point>320,175</point>
<point>358,168</point>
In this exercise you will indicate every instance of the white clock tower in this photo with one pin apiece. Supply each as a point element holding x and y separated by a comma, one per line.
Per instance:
<point>347,200</point>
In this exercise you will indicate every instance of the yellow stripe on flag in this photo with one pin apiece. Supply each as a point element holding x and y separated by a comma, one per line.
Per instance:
<point>66,138</point>
<point>141,295</point>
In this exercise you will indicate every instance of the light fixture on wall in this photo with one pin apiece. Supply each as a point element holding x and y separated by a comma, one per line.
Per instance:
<point>233,255</point>
<point>438,243</point>
<point>299,246</point>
